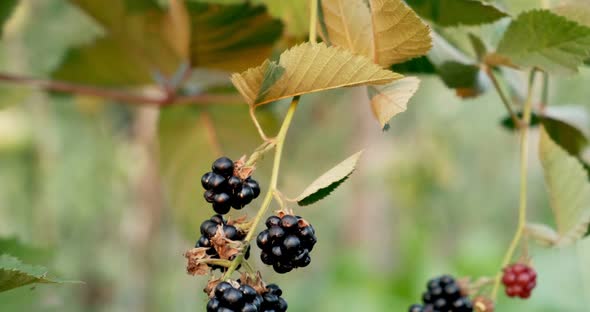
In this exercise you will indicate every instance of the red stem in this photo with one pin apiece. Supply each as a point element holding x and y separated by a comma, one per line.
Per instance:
<point>167,98</point>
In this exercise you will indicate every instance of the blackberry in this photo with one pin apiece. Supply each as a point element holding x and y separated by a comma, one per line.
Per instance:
<point>443,294</point>
<point>286,243</point>
<point>519,280</point>
<point>225,190</point>
<point>228,298</point>
<point>209,229</point>
<point>272,300</point>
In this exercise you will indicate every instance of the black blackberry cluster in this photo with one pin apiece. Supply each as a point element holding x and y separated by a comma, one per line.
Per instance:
<point>230,299</point>
<point>225,190</point>
<point>443,295</point>
<point>272,300</point>
<point>286,243</point>
<point>208,230</point>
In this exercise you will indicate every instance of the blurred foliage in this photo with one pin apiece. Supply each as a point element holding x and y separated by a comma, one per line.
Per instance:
<point>435,194</point>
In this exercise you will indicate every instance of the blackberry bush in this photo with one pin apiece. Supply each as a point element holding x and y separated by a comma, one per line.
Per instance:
<point>286,243</point>
<point>224,188</point>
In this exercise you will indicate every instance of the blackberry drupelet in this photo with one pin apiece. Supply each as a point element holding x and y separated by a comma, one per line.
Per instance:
<point>286,243</point>
<point>229,298</point>
<point>224,190</point>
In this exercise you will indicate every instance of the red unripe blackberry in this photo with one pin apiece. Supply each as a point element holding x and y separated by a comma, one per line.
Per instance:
<point>443,294</point>
<point>208,230</point>
<point>286,243</point>
<point>519,280</point>
<point>228,298</point>
<point>225,190</point>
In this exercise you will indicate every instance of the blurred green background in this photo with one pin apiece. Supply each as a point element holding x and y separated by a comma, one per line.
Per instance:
<point>110,195</point>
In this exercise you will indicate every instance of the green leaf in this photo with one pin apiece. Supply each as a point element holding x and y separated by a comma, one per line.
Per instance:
<point>566,135</point>
<point>103,62</point>
<point>479,47</point>
<point>329,181</point>
<point>457,75</point>
<point>569,191</point>
<point>562,129</point>
<point>457,12</point>
<point>6,9</point>
<point>138,42</point>
<point>508,123</point>
<point>29,254</point>
<point>391,99</point>
<point>142,41</point>
<point>231,37</point>
<point>546,40</point>
<point>14,273</point>
<point>420,65</point>
<point>293,13</point>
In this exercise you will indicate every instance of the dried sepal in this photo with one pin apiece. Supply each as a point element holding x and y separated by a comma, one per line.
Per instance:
<point>226,248</point>
<point>302,223</point>
<point>241,170</point>
<point>242,224</point>
<point>483,304</point>
<point>254,280</point>
<point>195,264</point>
<point>210,287</point>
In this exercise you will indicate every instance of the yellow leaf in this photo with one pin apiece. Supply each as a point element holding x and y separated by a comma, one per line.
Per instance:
<point>348,25</point>
<point>399,34</point>
<point>308,68</point>
<point>392,99</point>
<point>387,31</point>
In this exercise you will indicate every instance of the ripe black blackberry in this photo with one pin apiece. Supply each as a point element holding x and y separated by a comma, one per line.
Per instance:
<point>224,190</point>
<point>443,295</point>
<point>208,231</point>
<point>228,298</point>
<point>272,300</point>
<point>286,243</point>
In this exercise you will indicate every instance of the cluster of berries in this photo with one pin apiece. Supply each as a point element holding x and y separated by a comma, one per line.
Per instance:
<point>519,280</point>
<point>443,294</point>
<point>224,189</point>
<point>286,243</point>
<point>209,229</point>
<point>245,298</point>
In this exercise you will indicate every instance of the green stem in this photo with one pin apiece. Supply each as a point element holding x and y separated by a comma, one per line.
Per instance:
<point>545,94</point>
<point>280,142</point>
<point>503,97</point>
<point>524,155</point>
<point>313,21</point>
